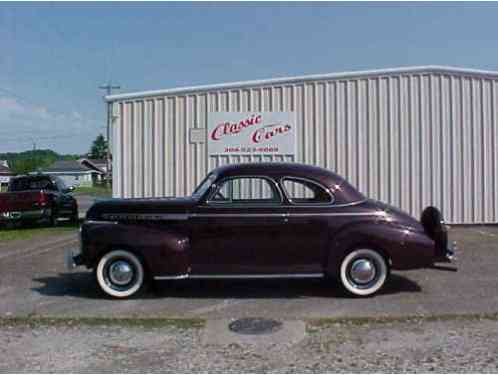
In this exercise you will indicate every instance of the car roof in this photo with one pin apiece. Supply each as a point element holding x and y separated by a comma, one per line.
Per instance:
<point>276,168</point>
<point>345,192</point>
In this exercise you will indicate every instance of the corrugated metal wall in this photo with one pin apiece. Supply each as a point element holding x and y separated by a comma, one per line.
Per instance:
<point>411,139</point>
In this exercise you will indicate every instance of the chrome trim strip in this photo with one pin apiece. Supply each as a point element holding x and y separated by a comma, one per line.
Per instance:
<point>288,206</point>
<point>99,222</point>
<point>332,205</point>
<point>240,215</point>
<point>175,277</point>
<point>146,217</point>
<point>284,215</point>
<point>375,213</point>
<point>245,276</point>
<point>261,276</point>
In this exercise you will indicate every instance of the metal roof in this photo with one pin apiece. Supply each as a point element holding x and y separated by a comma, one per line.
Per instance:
<point>4,170</point>
<point>66,166</point>
<point>289,80</point>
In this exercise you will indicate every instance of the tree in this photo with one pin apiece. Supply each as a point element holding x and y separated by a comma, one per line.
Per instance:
<point>99,148</point>
<point>32,160</point>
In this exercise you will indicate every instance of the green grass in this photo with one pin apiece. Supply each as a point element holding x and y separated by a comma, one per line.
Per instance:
<point>97,191</point>
<point>314,323</point>
<point>32,232</point>
<point>34,321</point>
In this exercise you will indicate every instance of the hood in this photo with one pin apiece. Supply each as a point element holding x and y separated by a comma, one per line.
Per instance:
<point>140,206</point>
<point>397,216</point>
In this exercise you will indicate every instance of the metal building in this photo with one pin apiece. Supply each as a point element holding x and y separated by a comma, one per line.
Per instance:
<point>410,136</point>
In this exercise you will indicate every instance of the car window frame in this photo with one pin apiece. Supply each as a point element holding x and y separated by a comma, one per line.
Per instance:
<point>314,182</point>
<point>218,184</point>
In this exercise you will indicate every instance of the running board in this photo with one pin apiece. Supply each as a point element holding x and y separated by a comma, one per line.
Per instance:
<point>244,276</point>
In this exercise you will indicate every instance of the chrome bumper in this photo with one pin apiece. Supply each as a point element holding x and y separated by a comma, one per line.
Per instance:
<point>449,256</point>
<point>72,259</point>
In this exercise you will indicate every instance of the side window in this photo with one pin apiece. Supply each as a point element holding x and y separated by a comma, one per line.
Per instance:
<point>246,190</point>
<point>305,192</point>
<point>42,184</point>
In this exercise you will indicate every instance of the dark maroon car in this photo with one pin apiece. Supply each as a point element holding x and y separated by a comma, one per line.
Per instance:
<point>262,220</point>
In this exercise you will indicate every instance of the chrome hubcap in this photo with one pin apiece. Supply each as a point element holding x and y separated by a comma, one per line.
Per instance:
<point>362,271</point>
<point>120,272</point>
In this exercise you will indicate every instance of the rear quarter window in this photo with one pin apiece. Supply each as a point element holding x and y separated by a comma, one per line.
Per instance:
<point>301,191</point>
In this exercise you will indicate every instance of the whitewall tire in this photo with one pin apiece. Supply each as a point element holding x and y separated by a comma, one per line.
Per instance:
<point>120,274</point>
<point>363,272</point>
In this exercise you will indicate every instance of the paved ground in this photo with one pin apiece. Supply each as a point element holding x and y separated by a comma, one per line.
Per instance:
<point>438,346</point>
<point>33,281</point>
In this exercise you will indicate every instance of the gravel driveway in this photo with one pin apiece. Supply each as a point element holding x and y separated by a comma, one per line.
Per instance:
<point>455,345</point>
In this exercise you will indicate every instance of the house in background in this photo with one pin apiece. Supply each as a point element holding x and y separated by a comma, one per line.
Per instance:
<point>5,174</point>
<point>99,165</point>
<point>75,172</point>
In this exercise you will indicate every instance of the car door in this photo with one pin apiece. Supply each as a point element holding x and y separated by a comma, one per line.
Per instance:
<point>306,234</point>
<point>238,229</point>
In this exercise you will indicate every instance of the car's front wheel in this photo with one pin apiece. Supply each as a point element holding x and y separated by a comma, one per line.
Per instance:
<point>363,272</point>
<point>120,274</point>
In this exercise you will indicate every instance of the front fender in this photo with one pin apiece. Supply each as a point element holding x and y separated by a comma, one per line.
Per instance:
<point>403,247</point>
<point>164,251</point>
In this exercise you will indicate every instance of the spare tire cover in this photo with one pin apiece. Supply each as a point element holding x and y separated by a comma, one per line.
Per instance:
<point>433,223</point>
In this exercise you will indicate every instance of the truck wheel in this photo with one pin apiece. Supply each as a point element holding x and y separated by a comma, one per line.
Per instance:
<point>53,218</point>
<point>75,217</point>
<point>120,274</point>
<point>363,272</point>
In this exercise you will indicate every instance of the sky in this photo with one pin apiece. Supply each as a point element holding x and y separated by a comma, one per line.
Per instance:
<point>54,56</point>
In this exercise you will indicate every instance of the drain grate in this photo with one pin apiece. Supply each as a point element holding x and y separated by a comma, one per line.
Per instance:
<point>254,326</point>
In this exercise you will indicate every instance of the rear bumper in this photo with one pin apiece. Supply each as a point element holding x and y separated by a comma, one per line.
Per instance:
<point>449,256</point>
<point>72,259</point>
<point>24,215</point>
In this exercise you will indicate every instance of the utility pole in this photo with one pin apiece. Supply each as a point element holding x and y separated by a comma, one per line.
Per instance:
<point>108,91</point>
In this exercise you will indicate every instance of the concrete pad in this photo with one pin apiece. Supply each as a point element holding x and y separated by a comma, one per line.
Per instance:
<point>216,332</point>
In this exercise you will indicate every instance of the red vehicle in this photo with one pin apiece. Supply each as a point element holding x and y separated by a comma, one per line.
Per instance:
<point>40,198</point>
<point>253,221</point>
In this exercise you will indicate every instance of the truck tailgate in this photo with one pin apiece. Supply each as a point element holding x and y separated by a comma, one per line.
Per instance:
<point>20,201</point>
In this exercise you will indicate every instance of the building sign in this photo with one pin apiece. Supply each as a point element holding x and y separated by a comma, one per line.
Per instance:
<point>4,179</point>
<point>251,133</point>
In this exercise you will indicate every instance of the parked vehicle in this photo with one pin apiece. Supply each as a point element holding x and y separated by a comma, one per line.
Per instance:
<point>38,198</point>
<point>263,220</point>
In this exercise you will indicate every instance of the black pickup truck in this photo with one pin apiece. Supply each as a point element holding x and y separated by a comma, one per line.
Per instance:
<point>37,198</point>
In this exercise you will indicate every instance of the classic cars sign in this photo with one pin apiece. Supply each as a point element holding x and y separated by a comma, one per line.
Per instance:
<point>251,133</point>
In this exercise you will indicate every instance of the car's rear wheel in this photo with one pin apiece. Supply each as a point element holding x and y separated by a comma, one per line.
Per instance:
<point>120,274</point>
<point>363,272</point>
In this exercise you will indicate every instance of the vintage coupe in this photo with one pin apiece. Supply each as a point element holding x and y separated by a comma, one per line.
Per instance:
<point>259,220</point>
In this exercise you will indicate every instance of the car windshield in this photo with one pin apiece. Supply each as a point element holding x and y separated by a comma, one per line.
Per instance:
<point>204,185</point>
<point>60,183</point>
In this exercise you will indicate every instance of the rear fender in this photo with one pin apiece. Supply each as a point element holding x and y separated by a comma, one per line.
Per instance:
<point>163,251</point>
<point>403,248</point>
